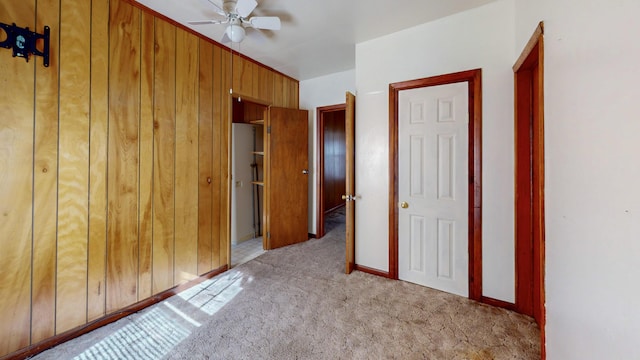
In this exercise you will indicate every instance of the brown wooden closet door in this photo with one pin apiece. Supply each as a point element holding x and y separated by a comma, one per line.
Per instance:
<point>288,177</point>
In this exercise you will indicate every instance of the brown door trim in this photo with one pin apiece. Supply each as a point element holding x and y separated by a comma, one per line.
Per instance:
<point>320,111</point>
<point>529,181</point>
<point>474,78</point>
<point>350,181</point>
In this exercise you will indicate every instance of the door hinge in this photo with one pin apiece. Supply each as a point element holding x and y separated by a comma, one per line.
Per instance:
<point>268,235</point>
<point>269,129</point>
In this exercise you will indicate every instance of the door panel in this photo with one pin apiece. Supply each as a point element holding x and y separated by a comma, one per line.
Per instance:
<point>350,120</point>
<point>433,157</point>
<point>287,182</point>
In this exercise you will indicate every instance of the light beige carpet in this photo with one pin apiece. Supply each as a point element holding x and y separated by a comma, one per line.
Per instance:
<point>296,303</point>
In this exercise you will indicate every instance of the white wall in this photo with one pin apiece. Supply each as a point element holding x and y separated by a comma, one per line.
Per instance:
<point>592,126</point>
<point>479,38</point>
<point>314,93</point>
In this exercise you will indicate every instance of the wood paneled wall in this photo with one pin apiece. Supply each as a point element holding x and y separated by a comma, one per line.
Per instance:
<point>334,159</point>
<point>114,162</point>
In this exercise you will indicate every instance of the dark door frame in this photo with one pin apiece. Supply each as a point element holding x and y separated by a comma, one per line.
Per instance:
<point>529,181</point>
<point>320,112</point>
<point>474,79</point>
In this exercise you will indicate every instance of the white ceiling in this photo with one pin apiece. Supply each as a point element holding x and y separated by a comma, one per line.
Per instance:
<point>318,37</point>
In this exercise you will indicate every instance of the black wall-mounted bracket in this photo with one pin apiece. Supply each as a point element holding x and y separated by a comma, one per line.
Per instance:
<point>23,42</point>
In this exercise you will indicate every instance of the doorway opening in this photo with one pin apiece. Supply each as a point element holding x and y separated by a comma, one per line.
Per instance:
<point>247,191</point>
<point>529,181</point>
<point>474,80</point>
<point>331,164</point>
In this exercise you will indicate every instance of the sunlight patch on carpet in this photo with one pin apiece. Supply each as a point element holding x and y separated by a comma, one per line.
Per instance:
<point>213,294</point>
<point>151,336</point>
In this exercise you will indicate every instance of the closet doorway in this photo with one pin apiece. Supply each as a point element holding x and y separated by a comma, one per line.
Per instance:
<point>331,162</point>
<point>276,186</point>
<point>248,173</point>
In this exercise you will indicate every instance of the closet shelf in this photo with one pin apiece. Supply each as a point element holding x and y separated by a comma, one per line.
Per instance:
<point>256,122</point>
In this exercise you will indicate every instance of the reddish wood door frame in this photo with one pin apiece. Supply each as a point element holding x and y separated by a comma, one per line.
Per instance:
<point>320,111</point>
<point>529,181</point>
<point>474,79</point>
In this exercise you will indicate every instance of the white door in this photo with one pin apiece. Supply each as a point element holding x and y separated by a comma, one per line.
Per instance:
<point>433,193</point>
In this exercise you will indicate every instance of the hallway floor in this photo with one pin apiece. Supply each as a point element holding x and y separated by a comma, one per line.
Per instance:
<point>246,250</point>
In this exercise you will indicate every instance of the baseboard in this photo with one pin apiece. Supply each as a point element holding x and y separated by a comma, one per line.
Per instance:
<point>371,271</point>
<point>498,303</point>
<point>132,309</point>
<point>337,207</point>
<point>244,238</point>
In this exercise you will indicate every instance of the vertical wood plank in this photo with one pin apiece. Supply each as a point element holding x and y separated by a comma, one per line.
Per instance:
<point>219,92</point>
<point>124,105</point>
<point>278,90</point>
<point>293,94</point>
<point>45,178</point>
<point>205,156</point>
<point>186,205</point>
<point>236,73</point>
<point>145,215</point>
<point>266,84</point>
<point>73,184</point>
<point>16,161</point>
<point>286,92</point>
<point>96,299</point>
<point>255,80</point>
<point>225,165</point>
<point>247,77</point>
<point>164,156</point>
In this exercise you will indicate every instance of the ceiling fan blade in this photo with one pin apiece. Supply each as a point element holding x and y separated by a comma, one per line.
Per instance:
<point>245,7</point>
<point>265,22</point>
<point>218,7</point>
<point>205,22</point>
<point>257,36</point>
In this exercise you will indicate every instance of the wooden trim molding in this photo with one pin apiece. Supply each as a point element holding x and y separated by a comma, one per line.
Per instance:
<point>371,271</point>
<point>529,173</point>
<point>498,303</point>
<point>533,41</point>
<point>474,79</point>
<point>113,317</point>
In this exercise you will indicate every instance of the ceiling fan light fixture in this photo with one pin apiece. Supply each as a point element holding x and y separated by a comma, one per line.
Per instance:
<point>235,33</point>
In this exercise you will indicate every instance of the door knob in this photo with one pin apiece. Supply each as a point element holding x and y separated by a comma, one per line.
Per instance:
<point>404,204</point>
<point>348,197</point>
<point>305,171</point>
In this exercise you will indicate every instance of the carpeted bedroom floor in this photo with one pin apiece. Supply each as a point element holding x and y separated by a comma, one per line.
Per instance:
<point>296,303</point>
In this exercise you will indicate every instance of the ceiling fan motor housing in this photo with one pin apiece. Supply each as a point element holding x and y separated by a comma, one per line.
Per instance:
<point>229,6</point>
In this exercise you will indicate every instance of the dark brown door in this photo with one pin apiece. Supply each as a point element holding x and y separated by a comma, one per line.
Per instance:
<point>350,121</point>
<point>287,181</point>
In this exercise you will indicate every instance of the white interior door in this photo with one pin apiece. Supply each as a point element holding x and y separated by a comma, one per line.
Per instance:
<point>433,172</point>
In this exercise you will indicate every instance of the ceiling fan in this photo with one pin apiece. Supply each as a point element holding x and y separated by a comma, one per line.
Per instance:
<point>236,14</point>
